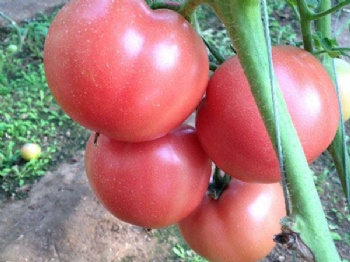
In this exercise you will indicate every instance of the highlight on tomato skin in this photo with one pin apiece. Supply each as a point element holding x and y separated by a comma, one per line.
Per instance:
<point>239,226</point>
<point>230,127</point>
<point>124,70</point>
<point>150,184</point>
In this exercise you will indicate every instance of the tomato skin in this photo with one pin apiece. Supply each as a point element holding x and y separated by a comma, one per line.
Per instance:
<point>150,184</point>
<point>121,69</point>
<point>230,127</point>
<point>239,226</point>
<point>342,68</point>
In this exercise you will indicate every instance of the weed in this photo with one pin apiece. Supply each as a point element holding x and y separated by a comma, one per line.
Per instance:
<point>186,254</point>
<point>28,112</point>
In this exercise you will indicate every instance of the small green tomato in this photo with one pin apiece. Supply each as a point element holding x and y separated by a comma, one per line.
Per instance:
<point>11,49</point>
<point>30,151</point>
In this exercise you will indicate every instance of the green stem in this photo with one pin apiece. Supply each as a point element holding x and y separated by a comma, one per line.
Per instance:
<point>329,10</point>
<point>295,10</point>
<point>323,24</point>
<point>305,23</point>
<point>216,54</point>
<point>340,49</point>
<point>189,6</point>
<point>243,21</point>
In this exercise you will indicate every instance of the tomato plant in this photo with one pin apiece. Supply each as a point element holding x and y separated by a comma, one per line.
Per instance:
<point>151,184</point>
<point>230,127</point>
<point>239,226</point>
<point>342,69</point>
<point>133,75</point>
<point>124,70</point>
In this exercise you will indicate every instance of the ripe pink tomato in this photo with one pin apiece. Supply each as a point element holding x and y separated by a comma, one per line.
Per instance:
<point>124,70</point>
<point>150,184</point>
<point>230,127</point>
<point>239,226</point>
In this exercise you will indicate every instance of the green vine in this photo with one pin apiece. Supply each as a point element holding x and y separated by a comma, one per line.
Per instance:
<point>327,11</point>
<point>305,23</point>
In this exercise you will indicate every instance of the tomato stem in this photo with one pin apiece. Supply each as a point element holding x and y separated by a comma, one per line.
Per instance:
<point>219,183</point>
<point>216,54</point>
<point>323,23</point>
<point>322,12</point>
<point>305,23</point>
<point>337,49</point>
<point>188,8</point>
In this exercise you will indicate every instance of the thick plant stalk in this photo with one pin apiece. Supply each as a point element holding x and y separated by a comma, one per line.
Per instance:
<point>242,19</point>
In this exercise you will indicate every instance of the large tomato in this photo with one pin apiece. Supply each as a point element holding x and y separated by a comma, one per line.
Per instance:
<point>239,226</point>
<point>230,127</point>
<point>342,68</point>
<point>151,184</point>
<point>121,69</point>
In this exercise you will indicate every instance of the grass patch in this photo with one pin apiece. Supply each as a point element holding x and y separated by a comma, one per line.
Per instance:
<point>28,112</point>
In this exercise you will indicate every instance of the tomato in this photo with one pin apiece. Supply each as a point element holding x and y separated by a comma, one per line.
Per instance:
<point>30,151</point>
<point>151,184</point>
<point>343,79</point>
<point>230,127</point>
<point>121,69</point>
<point>239,226</point>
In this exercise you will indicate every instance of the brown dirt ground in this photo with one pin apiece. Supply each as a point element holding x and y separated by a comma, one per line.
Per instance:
<point>61,220</point>
<point>20,10</point>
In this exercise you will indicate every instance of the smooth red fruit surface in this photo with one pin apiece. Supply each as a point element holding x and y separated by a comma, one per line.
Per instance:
<point>239,226</point>
<point>150,184</point>
<point>230,127</point>
<point>121,69</point>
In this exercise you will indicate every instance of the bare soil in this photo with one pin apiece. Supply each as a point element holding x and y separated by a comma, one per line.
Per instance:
<point>61,220</point>
<point>19,10</point>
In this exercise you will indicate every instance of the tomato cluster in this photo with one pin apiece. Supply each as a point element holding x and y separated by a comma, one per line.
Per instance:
<point>133,76</point>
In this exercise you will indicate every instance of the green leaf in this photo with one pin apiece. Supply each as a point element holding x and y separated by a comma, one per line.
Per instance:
<point>179,251</point>
<point>21,182</point>
<point>327,44</point>
<point>336,236</point>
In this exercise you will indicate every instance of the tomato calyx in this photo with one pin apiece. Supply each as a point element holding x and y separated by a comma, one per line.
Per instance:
<point>219,183</point>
